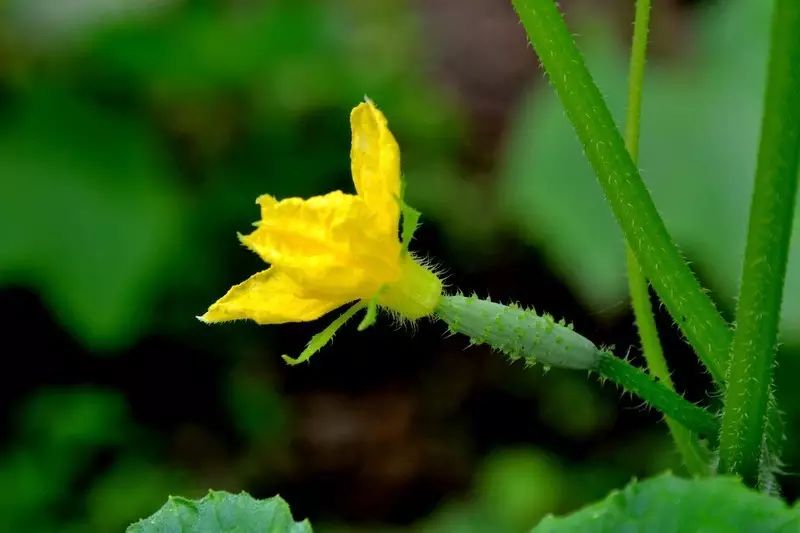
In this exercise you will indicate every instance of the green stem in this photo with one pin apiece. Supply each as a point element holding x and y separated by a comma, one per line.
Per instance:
<point>693,454</point>
<point>675,406</point>
<point>645,322</point>
<point>670,275</point>
<point>771,211</point>
<point>641,26</point>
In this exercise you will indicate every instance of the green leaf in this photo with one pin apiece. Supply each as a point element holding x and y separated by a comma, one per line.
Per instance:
<point>669,504</point>
<point>222,511</point>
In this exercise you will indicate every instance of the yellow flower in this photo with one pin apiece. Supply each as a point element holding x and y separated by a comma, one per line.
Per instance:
<point>338,248</point>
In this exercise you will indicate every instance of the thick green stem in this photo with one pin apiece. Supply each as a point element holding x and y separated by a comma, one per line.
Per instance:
<point>670,275</point>
<point>694,456</point>
<point>656,394</point>
<point>771,212</point>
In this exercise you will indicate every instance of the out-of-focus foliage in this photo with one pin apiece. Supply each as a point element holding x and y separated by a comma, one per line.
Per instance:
<point>257,410</point>
<point>222,511</point>
<point>92,244</point>
<point>516,487</point>
<point>700,125</point>
<point>667,504</point>
<point>134,140</point>
<point>60,437</point>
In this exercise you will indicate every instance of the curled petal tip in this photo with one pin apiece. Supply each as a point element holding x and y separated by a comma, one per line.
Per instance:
<point>202,318</point>
<point>266,199</point>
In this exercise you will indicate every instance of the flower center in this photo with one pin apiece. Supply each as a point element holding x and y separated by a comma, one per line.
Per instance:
<point>415,294</point>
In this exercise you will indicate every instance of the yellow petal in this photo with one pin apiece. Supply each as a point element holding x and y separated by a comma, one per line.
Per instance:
<point>375,163</point>
<point>327,244</point>
<point>269,297</point>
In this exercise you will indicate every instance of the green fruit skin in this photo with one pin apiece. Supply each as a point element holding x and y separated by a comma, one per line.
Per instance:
<point>518,333</point>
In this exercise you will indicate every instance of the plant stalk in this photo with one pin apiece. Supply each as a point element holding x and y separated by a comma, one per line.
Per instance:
<point>694,456</point>
<point>657,395</point>
<point>753,349</point>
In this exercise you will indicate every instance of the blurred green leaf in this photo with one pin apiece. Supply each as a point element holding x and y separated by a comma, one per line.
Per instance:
<point>203,48</point>
<point>60,432</point>
<point>35,490</point>
<point>287,73</point>
<point>222,511</point>
<point>256,408</point>
<point>64,419</point>
<point>517,487</point>
<point>699,138</point>
<point>549,193</point>
<point>514,488</point>
<point>45,24</point>
<point>667,504</point>
<point>589,412</point>
<point>131,488</point>
<point>460,517</point>
<point>88,214</point>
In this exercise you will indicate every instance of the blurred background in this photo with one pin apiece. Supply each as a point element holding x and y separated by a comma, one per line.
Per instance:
<point>134,139</point>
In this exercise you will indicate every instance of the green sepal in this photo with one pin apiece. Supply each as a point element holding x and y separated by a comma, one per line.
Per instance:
<point>410,220</point>
<point>371,315</point>
<point>322,338</point>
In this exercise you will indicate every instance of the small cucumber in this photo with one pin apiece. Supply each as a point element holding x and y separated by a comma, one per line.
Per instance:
<point>519,333</point>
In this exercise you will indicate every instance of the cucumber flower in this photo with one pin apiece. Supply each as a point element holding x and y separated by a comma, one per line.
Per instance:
<point>331,250</point>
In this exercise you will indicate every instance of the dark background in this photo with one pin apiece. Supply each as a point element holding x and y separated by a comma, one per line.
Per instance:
<point>134,139</point>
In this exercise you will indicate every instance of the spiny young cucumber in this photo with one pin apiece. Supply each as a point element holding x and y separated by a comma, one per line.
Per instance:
<point>522,334</point>
<point>518,333</point>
